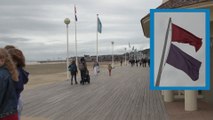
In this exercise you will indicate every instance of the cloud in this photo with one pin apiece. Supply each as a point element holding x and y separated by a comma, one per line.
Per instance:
<point>37,27</point>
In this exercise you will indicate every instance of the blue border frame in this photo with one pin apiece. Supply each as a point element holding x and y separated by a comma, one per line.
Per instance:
<point>207,50</point>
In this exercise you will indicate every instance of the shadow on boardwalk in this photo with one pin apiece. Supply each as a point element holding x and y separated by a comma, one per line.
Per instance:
<point>123,96</point>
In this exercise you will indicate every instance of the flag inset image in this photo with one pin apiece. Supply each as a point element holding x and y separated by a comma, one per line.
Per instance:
<point>179,49</point>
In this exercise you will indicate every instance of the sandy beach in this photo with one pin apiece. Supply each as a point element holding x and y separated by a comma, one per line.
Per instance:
<point>42,74</point>
<point>48,73</point>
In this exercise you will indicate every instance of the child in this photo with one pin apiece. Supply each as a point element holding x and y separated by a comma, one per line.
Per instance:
<point>96,68</point>
<point>73,70</point>
<point>110,69</point>
<point>8,98</point>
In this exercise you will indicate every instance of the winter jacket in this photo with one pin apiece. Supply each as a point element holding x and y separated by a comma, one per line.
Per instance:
<point>73,68</point>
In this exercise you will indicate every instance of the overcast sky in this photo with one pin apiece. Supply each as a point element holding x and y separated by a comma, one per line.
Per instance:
<point>38,29</point>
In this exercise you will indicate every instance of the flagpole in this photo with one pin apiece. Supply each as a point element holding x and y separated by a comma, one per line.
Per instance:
<point>163,54</point>
<point>125,55</point>
<point>97,41</point>
<point>129,51</point>
<point>76,58</point>
<point>112,54</point>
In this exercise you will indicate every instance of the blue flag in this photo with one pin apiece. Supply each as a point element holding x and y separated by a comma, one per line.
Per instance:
<point>182,61</point>
<point>99,26</point>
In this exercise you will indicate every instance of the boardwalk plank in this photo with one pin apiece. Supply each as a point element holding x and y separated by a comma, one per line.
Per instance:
<point>123,96</point>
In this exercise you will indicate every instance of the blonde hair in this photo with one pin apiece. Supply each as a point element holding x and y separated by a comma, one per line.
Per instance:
<point>9,64</point>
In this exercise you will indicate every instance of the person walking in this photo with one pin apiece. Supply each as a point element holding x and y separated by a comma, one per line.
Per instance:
<point>73,71</point>
<point>23,76</point>
<point>83,70</point>
<point>148,62</point>
<point>96,68</point>
<point>8,98</point>
<point>109,69</point>
<point>121,62</point>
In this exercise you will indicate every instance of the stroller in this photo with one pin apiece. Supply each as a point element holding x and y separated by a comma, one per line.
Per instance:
<point>85,79</point>
<point>84,72</point>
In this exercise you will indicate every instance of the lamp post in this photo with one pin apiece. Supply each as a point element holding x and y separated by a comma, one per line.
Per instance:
<point>67,22</point>
<point>125,55</point>
<point>112,54</point>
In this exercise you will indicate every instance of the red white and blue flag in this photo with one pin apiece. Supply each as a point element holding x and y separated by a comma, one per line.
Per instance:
<point>75,13</point>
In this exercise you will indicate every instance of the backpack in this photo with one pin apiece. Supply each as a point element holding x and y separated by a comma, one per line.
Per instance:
<point>72,68</point>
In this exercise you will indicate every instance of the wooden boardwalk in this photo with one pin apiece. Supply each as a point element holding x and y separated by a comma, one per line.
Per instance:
<point>123,96</point>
